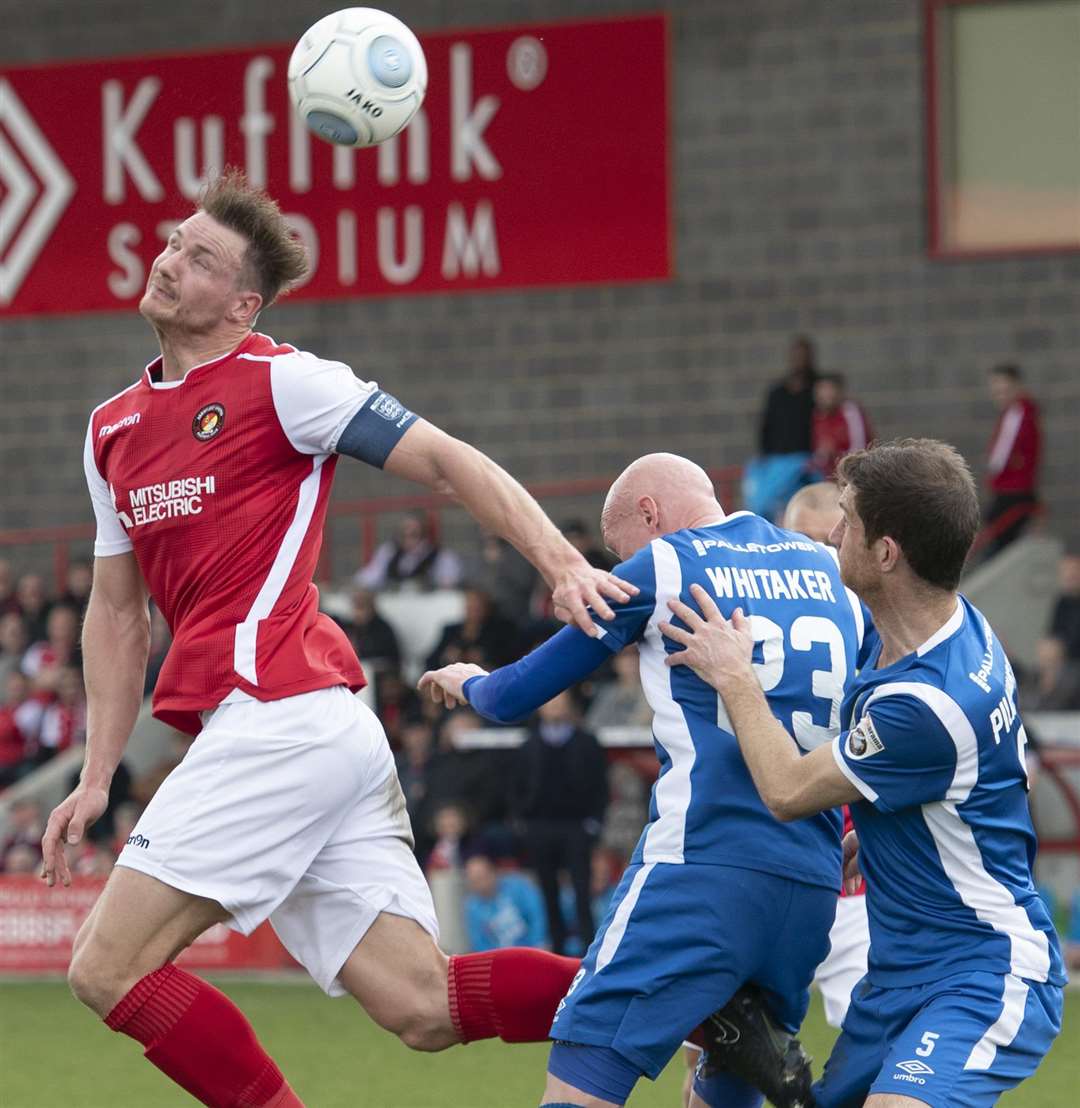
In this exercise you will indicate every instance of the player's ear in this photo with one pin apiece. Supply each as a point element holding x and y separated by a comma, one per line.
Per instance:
<point>650,512</point>
<point>245,308</point>
<point>889,554</point>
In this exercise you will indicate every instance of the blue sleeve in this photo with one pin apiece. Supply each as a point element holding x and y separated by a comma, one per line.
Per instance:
<point>375,429</point>
<point>513,692</point>
<point>902,754</point>
<point>633,617</point>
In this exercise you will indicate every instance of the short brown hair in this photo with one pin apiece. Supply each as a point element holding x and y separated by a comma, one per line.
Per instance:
<point>920,493</point>
<point>274,260</point>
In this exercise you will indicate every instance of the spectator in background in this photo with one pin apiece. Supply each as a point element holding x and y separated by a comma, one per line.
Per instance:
<point>785,437</point>
<point>20,859</point>
<point>411,558</point>
<point>15,745</point>
<point>26,825</point>
<point>1055,684</point>
<point>814,511</point>
<point>33,604</point>
<point>507,576</point>
<point>413,763</point>
<point>8,603</point>
<point>451,828</point>
<point>501,909</point>
<point>20,721</point>
<point>1065,620</point>
<point>839,425</point>
<point>63,718</point>
<point>395,703</point>
<point>44,660</point>
<point>1012,469</point>
<point>578,533</point>
<point>76,594</point>
<point>620,703</point>
<point>372,637</point>
<point>484,637</point>
<point>561,793</point>
<point>13,644</point>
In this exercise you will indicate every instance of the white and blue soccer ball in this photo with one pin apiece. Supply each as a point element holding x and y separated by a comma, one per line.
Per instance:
<point>357,76</point>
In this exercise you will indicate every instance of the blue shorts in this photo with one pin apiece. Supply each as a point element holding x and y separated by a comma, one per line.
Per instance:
<point>959,1042</point>
<point>676,943</point>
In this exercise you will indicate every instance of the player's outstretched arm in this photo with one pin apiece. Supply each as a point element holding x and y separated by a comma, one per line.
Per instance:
<point>791,785</point>
<point>116,645</point>
<point>499,503</point>
<point>512,692</point>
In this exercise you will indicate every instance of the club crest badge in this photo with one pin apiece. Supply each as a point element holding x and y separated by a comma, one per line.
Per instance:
<point>208,422</point>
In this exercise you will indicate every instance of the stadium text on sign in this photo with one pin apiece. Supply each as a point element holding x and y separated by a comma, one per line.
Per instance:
<point>515,173</point>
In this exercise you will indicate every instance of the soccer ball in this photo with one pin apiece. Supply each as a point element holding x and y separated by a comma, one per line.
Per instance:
<point>357,76</point>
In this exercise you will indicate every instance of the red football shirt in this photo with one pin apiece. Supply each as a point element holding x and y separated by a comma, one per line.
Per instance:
<point>219,483</point>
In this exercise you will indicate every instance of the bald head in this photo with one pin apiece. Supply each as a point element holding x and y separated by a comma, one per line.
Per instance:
<point>814,511</point>
<point>653,496</point>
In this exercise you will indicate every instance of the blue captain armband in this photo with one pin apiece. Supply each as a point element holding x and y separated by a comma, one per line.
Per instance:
<point>375,429</point>
<point>515,691</point>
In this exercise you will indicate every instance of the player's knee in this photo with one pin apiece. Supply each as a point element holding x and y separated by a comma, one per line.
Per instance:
<point>90,979</point>
<point>422,1031</point>
<point>94,977</point>
<point>424,1021</point>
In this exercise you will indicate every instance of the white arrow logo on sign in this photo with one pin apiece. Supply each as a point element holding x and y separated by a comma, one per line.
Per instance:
<point>23,235</point>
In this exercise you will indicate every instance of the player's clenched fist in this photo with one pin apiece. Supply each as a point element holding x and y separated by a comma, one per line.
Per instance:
<point>446,685</point>
<point>68,821</point>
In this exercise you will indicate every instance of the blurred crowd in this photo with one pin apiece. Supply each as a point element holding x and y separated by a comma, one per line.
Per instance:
<point>532,835</point>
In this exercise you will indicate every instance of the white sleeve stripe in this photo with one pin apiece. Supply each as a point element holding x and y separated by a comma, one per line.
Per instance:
<point>849,773</point>
<point>856,426</point>
<point>951,716</point>
<point>1006,439</point>
<point>111,538</point>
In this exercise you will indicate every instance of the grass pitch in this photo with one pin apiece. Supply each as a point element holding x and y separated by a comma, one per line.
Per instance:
<point>53,1054</point>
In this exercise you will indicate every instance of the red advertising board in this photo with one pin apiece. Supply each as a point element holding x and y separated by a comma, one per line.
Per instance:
<point>540,157</point>
<point>38,926</point>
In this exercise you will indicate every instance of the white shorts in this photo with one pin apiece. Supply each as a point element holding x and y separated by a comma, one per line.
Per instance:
<point>845,965</point>
<point>291,811</point>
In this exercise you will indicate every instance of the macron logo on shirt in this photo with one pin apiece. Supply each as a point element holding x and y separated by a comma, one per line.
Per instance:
<point>120,424</point>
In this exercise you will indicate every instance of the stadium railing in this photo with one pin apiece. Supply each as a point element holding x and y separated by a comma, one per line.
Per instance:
<point>368,515</point>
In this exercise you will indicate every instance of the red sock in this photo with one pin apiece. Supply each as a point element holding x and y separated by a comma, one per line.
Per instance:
<point>511,993</point>
<point>198,1037</point>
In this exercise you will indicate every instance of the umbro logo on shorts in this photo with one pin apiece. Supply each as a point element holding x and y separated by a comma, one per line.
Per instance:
<point>912,1072</point>
<point>914,1066</point>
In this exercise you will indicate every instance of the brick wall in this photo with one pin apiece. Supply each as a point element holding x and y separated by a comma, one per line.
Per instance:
<point>799,206</point>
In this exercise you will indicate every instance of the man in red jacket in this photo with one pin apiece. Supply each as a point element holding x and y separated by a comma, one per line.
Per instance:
<point>1013,465</point>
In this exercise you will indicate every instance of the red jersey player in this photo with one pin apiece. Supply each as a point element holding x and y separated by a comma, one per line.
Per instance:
<point>210,478</point>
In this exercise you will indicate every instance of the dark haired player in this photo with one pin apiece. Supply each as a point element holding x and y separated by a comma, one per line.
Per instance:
<point>964,991</point>
<point>210,478</point>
